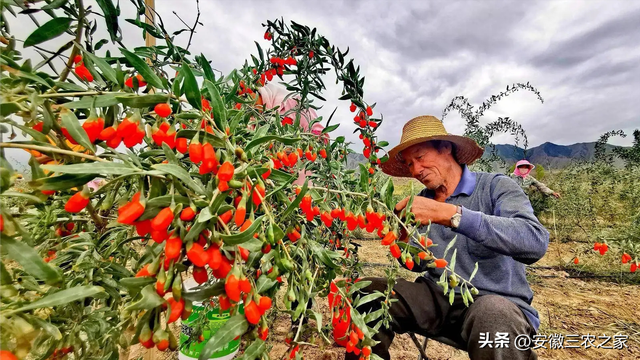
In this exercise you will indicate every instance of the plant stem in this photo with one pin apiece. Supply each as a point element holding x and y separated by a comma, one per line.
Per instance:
<point>51,150</point>
<point>74,51</point>
<point>94,215</point>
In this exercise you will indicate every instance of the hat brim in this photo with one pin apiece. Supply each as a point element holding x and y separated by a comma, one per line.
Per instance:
<point>467,152</point>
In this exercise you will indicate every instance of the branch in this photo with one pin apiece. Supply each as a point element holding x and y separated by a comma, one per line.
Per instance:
<point>74,52</point>
<point>51,150</point>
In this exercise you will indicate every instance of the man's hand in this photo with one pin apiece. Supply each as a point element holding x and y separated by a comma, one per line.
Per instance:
<point>556,195</point>
<point>426,210</point>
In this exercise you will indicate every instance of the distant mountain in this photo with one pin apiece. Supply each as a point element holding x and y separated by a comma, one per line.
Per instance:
<point>549,155</point>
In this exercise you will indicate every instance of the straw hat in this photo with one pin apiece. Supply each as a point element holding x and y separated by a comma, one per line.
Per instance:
<point>428,128</point>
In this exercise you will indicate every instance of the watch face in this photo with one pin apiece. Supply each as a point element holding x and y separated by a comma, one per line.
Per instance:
<point>455,220</point>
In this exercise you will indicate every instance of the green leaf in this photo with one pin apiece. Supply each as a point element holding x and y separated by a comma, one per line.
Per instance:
<point>317,317</point>
<point>264,284</point>
<point>28,197</point>
<point>209,290</point>
<point>36,135</point>
<point>270,138</point>
<point>64,182</point>
<point>5,277</point>
<point>170,155</point>
<point>143,68</point>
<point>296,202</point>
<point>33,77</point>
<point>449,246</point>
<point>51,29</point>
<point>70,121</point>
<point>54,4</point>
<point>236,326</point>
<point>30,261</point>
<point>150,299</point>
<point>105,168</point>
<point>110,17</point>
<point>48,327</point>
<point>195,230</point>
<point>181,174</point>
<point>473,273</point>
<point>364,177</point>
<point>368,298</point>
<point>136,283</point>
<point>452,263</point>
<point>108,72</point>
<point>191,89</point>
<point>217,105</point>
<point>63,297</point>
<point>254,351</point>
<point>452,295</point>
<point>206,68</point>
<point>386,193</point>
<point>239,238</point>
<point>329,129</point>
<point>69,86</point>
<point>383,144</point>
<point>373,316</point>
<point>8,108</point>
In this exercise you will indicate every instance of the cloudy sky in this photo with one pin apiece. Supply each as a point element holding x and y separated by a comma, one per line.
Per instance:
<point>583,56</point>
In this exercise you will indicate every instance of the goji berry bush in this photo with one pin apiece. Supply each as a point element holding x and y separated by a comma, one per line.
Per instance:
<point>148,169</point>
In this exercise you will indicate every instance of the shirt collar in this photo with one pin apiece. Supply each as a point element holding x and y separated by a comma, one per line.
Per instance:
<point>467,182</point>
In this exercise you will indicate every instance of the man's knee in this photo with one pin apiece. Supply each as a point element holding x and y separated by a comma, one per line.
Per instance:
<point>496,313</point>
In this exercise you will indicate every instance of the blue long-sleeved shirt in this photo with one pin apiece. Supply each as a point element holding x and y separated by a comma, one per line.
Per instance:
<point>499,231</point>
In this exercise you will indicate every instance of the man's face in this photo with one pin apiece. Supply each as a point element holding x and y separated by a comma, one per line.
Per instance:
<point>427,164</point>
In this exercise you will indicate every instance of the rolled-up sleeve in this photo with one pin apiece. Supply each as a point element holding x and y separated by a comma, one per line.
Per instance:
<point>512,229</point>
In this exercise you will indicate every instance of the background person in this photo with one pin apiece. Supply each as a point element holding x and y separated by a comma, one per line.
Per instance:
<point>522,175</point>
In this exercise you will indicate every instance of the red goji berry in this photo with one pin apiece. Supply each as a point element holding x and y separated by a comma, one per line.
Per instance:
<point>163,110</point>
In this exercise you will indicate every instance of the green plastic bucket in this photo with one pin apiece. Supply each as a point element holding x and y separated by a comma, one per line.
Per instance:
<point>216,321</point>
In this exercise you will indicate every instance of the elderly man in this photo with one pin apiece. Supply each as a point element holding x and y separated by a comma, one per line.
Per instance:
<point>495,227</point>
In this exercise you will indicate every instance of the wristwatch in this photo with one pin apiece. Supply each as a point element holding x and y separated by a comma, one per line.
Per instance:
<point>455,219</point>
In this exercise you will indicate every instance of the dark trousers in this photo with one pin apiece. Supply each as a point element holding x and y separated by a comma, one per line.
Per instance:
<point>422,308</point>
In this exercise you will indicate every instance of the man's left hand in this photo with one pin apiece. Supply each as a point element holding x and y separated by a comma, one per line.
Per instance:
<point>426,210</point>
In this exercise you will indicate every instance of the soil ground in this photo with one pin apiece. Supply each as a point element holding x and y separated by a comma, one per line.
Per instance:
<point>569,303</point>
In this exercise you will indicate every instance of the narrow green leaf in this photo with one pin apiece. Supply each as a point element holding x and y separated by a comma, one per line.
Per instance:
<point>54,4</point>
<point>70,121</point>
<point>181,174</point>
<point>209,290</point>
<point>473,273</point>
<point>8,108</point>
<point>110,17</point>
<point>28,197</point>
<point>63,297</point>
<point>136,283</point>
<point>452,263</point>
<point>47,326</point>
<point>5,277</point>
<point>364,177</point>
<point>217,105</point>
<point>264,284</point>
<point>234,327</point>
<point>329,129</point>
<point>143,68</point>
<point>51,29</point>
<point>33,77</point>
<point>191,88</point>
<point>206,68</point>
<point>108,72</point>
<point>254,351</point>
<point>452,295</point>
<point>368,298</point>
<point>36,135</point>
<point>150,299</point>
<point>449,246</point>
<point>104,168</point>
<point>64,182</point>
<point>296,202</point>
<point>30,261</point>
<point>239,238</point>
